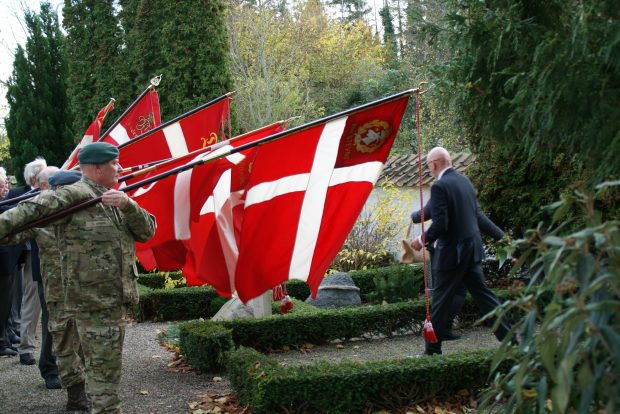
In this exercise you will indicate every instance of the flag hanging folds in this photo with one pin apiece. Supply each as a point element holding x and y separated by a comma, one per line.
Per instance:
<point>189,132</point>
<point>305,192</point>
<point>172,199</point>
<point>143,116</point>
<point>212,250</point>
<point>91,135</point>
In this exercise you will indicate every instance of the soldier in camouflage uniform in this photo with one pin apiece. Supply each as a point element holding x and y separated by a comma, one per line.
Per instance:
<point>65,343</point>
<point>97,260</point>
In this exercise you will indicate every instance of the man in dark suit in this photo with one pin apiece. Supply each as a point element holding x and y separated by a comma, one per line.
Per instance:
<point>458,251</point>
<point>487,227</point>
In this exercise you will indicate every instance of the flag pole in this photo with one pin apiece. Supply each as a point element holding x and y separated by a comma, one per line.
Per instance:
<point>172,121</point>
<point>154,82</point>
<point>22,197</point>
<point>214,155</point>
<point>136,171</point>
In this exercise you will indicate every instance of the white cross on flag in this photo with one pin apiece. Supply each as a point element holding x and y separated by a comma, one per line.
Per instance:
<point>180,136</point>
<point>305,192</point>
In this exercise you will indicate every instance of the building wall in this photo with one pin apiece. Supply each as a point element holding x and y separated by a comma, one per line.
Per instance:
<point>414,196</point>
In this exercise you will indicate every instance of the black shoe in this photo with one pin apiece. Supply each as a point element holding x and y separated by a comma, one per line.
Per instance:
<point>14,338</point>
<point>431,351</point>
<point>7,351</point>
<point>26,359</point>
<point>52,383</point>
<point>451,336</point>
<point>76,398</point>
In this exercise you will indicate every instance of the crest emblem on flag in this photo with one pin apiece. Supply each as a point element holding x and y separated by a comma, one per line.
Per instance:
<point>372,135</point>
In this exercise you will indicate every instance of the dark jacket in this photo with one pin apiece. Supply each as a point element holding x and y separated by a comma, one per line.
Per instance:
<point>10,255</point>
<point>456,218</point>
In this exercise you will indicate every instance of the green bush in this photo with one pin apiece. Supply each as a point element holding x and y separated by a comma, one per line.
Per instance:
<point>294,330</point>
<point>408,276</point>
<point>205,344</point>
<point>176,304</point>
<point>152,280</point>
<point>569,356</point>
<point>162,280</point>
<point>349,387</point>
<point>297,289</point>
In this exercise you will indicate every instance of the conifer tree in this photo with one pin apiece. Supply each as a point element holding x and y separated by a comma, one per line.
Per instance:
<point>38,121</point>
<point>389,35</point>
<point>96,69</point>
<point>186,42</point>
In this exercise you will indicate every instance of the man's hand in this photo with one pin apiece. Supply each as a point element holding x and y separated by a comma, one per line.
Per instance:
<point>115,198</point>
<point>416,244</point>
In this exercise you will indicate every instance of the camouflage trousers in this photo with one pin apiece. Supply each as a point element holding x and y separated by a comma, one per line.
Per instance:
<point>102,333</point>
<point>65,345</point>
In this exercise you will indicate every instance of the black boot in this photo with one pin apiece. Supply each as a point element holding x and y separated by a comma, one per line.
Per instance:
<point>77,400</point>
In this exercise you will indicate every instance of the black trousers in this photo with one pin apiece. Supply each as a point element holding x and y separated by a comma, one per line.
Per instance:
<point>6,298</point>
<point>448,285</point>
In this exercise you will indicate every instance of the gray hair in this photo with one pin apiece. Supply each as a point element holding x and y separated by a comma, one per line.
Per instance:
<point>33,168</point>
<point>3,173</point>
<point>44,175</point>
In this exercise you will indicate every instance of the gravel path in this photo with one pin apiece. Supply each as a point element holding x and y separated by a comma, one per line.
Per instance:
<point>148,385</point>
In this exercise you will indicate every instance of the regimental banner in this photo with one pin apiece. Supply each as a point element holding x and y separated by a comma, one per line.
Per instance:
<point>297,215</point>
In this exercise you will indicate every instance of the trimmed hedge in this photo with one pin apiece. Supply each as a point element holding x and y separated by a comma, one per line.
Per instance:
<point>178,304</point>
<point>294,330</point>
<point>205,346</point>
<point>367,282</point>
<point>349,387</point>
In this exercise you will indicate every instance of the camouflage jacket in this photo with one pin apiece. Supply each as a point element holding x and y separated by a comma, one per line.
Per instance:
<point>96,244</point>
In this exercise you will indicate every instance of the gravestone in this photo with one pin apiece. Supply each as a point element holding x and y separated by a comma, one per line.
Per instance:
<point>335,291</point>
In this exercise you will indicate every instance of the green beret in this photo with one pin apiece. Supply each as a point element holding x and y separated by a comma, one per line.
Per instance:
<point>97,153</point>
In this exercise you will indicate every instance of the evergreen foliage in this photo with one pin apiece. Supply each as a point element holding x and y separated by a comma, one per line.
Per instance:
<point>187,42</point>
<point>96,70</point>
<point>535,85</point>
<point>569,355</point>
<point>389,36</point>
<point>350,10</point>
<point>38,121</point>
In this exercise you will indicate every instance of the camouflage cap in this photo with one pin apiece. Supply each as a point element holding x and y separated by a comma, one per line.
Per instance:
<point>64,178</point>
<point>97,153</point>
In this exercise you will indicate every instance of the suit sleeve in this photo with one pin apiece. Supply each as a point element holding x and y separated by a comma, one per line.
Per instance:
<point>416,216</point>
<point>486,225</point>
<point>439,214</point>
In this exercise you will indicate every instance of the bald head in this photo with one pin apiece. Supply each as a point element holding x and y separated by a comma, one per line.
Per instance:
<point>437,160</point>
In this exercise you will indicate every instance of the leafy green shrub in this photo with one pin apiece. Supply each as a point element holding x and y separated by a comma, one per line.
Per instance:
<point>350,387</point>
<point>205,344</point>
<point>569,356</point>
